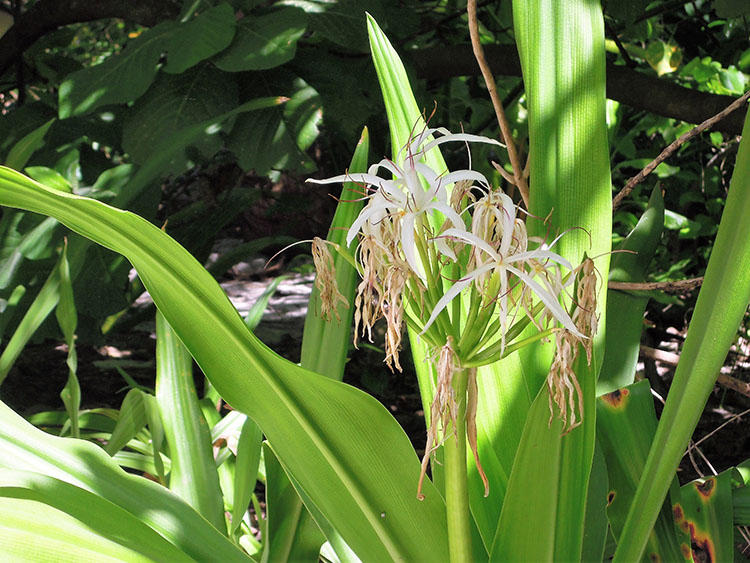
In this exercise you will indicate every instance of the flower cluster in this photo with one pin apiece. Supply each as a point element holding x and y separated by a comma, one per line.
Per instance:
<point>450,255</point>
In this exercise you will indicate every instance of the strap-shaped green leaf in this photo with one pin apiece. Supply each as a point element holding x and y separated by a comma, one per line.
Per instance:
<point>193,474</point>
<point>342,446</point>
<point>561,47</point>
<point>87,466</point>
<point>85,522</point>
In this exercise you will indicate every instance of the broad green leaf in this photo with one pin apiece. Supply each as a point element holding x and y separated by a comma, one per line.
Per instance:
<point>87,466</point>
<point>193,474</point>
<point>200,38</point>
<point>341,22</point>
<point>174,103</point>
<point>265,41</point>
<point>726,288</point>
<point>100,521</point>
<point>263,142</point>
<point>121,78</point>
<point>125,76</point>
<point>706,513</point>
<point>626,422</point>
<point>343,446</point>
<point>624,310</point>
<point>596,524</point>
<point>34,531</point>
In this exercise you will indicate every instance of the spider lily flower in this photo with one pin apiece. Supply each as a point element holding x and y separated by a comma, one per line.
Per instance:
<point>404,198</point>
<point>505,266</point>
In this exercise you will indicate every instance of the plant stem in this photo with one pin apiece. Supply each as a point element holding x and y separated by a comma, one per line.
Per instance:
<point>456,488</point>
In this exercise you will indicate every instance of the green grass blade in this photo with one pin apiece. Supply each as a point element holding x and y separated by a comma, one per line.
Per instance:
<point>131,419</point>
<point>21,152</point>
<point>344,448</point>
<point>67,318</point>
<point>726,289</point>
<point>193,475</point>
<point>245,470</point>
<point>285,510</point>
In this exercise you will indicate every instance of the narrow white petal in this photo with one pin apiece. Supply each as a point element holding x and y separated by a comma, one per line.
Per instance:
<point>407,244</point>
<point>449,295</point>
<point>475,240</point>
<point>371,209</point>
<point>358,177</point>
<point>549,300</point>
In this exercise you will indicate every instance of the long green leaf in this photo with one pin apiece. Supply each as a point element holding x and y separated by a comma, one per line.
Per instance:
<point>344,448</point>
<point>561,47</point>
<point>87,466</point>
<point>726,289</point>
<point>325,343</point>
<point>110,522</point>
<point>624,310</point>
<point>193,475</point>
<point>626,422</point>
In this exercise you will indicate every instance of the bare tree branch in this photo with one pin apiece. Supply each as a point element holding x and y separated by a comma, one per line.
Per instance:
<point>46,16</point>
<point>625,85</point>
<point>669,150</point>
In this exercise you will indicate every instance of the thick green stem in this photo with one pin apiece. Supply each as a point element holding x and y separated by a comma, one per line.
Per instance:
<point>456,486</point>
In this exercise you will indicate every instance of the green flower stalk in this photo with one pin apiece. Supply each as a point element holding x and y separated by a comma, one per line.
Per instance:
<point>461,270</point>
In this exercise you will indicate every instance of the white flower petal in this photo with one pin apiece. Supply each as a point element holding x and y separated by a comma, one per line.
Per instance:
<point>549,300</point>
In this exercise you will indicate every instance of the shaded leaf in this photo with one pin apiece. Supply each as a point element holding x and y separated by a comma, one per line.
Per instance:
<point>265,41</point>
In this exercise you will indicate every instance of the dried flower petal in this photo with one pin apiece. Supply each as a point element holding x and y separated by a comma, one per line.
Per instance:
<point>325,281</point>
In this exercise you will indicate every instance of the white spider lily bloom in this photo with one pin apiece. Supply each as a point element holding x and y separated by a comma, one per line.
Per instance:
<point>504,266</point>
<point>404,198</point>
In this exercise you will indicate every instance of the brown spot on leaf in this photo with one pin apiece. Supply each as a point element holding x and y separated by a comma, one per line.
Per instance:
<point>706,489</point>
<point>616,399</point>
<point>686,551</point>
<point>702,545</point>
<point>678,513</point>
<point>610,497</point>
<point>654,557</point>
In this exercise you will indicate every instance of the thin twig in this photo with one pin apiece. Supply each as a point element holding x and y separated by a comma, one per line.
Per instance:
<point>518,179</point>
<point>722,379</point>
<point>672,147</point>
<point>668,287</point>
<point>715,430</point>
